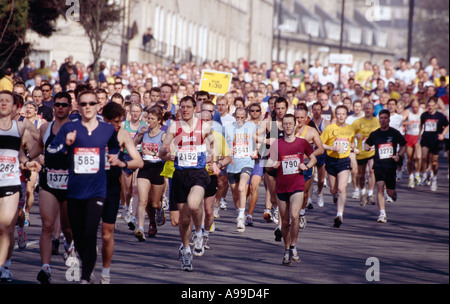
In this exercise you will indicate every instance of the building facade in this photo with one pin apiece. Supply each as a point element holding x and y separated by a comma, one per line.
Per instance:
<point>188,30</point>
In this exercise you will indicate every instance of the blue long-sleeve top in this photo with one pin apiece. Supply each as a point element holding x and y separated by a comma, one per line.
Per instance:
<point>86,158</point>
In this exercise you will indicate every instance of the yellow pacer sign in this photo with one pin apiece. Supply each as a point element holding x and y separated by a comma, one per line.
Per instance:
<point>215,82</point>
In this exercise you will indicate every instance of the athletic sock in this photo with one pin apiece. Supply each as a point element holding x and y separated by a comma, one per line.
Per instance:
<point>105,271</point>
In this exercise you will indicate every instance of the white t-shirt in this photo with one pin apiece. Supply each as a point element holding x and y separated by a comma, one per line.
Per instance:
<point>397,123</point>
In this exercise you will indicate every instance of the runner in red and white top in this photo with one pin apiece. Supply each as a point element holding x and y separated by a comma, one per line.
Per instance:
<point>413,148</point>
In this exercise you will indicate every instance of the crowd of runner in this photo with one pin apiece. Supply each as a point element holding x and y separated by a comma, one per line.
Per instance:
<point>145,142</point>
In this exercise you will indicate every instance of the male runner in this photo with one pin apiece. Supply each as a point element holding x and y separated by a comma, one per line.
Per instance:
<point>192,141</point>
<point>287,157</point>
<point>386,141</point>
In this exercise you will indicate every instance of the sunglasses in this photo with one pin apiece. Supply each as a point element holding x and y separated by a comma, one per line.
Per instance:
<point>253,111</point>
<point>84,104</point>
<point>58,104</point>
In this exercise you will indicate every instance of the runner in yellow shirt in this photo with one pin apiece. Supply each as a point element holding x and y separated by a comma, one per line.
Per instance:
<point>363,127</point>
<point>338,140</point>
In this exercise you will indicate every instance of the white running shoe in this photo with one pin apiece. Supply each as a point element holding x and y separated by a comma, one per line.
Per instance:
<point>356,194</point>
<point>433,186</point>
<point>199,245</point>
<point>411,183</point>
<point>240,224</point>
<point>223,204</point>
<point>388,199</point>
<point>216,212</point>
<point>186,261</point>
<point>382,218</point>
<point>275,215</point>
<point>165,203</point>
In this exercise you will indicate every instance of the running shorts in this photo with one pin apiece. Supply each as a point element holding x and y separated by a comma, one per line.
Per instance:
<point>411,140</point>
<point>184,180</point>
<point>334,166</point>
<point>152,172</point>
<point>388,176</point>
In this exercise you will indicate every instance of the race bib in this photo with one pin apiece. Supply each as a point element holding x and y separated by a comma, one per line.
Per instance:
<point>187,156</point>
<point>57,179</point>
<point>152,147</point>
<point>8,168</point>
<point>241,149</point>
<point>343,144</point>
<point>386,151</point>
<point>290,164</point>
<point>431,125</point>
<point>87,160</point>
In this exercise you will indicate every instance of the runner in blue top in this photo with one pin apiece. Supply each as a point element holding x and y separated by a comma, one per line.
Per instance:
<point>85,141</point>
<point>241,138</point>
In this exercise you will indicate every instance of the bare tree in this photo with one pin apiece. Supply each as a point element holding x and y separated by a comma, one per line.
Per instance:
<point>99,19</point>
<point>431,30</point>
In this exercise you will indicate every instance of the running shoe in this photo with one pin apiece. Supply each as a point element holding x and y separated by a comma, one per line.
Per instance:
<point>186,261</point>
<point>165,203</point>
<point>363,200</point>
<point>335,198</point>
<point>199,246</point>
<point>275,215</point>
<point>126,216</point>
<point>338,220</point>
<point>294,255</point>
<point>206,242</point>
<point>382,218</point>
<point>5,275</point>
<point>105,279</point>
<point>216,212</point>
<point>152,230</point>
<point>160,217</point>
<point>223,204</point>
<point>429,178</point>
<point>411,183</point>
<point>44,277</point>
<point>213,227</point>
<point>21,239</point>
<point>139,234</point>
<point>249,221</point>
<point>370,200</point>
<point>355,194</point>
<point>240,224</point>
<point>69,253</point>
<point>268,215</point>
<point>388,199</point>
<point>278,235</point>
<point>433,186</point>
<point>132,224</point>
<point>27,220</point>
<point>286,258</point>
<point>302,221</point>
<point>320,201</point>
<point>418,180</point>
<point>55,246</point>
<point>309,204</point>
